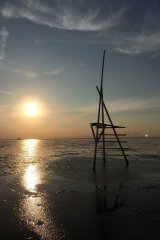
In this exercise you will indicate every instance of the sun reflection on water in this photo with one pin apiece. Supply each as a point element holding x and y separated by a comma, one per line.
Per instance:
<point>31,178</point>
<point>34,208</point>
<point>34,212</point>
<point>30,148</point>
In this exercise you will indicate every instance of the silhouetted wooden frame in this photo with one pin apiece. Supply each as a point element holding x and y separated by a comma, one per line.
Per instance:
<point>98,128</point>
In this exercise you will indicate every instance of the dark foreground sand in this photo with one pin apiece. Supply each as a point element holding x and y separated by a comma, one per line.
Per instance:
<point>117,203</point>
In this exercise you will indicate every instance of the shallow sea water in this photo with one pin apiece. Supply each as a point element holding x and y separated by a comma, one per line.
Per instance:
<point>15,155</point>
<point>37,202</point>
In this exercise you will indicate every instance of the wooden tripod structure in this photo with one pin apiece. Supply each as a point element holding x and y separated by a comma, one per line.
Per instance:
<point>100,128</point>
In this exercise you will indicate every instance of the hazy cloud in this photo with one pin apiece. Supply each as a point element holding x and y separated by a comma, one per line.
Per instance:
<point>7,93</point>
<point>123,106</point>
<point>3,39</point>
<point>3,107</point>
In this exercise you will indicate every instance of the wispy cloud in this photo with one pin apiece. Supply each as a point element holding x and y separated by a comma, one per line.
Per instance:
<point>135,105</point>
<point>73,16</point>
<point>146,38</point>
<point>80,111</point>
<point>51,73</point>
<point>4,107</point>
<point>109,22</point>
<point>141,43</point>
<point>19,70</point>
<point>124,106</point>
<point>7,93</point>
<point>28,73</point>
<point>3,39</point>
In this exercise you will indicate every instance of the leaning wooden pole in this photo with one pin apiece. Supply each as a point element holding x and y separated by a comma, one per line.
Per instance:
<point>101,95</point>
<point>118,140</point>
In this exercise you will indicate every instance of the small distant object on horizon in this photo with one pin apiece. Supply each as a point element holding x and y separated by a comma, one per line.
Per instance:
<point>18,138</point>
<point>146,135</point>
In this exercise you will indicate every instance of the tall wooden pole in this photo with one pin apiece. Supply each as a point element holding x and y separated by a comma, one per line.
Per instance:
<point>101,96</point>
<point>100,112</point>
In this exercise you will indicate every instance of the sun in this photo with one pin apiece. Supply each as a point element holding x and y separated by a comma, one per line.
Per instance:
<point>146,135</point>
<point>31,109</point>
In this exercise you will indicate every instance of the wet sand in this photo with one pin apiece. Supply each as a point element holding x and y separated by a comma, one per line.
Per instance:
<point>115,203</point>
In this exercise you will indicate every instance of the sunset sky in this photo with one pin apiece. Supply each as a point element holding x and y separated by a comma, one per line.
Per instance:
<point>51,55</point>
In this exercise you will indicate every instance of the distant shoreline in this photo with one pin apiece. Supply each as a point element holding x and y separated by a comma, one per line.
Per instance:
<point>2,139</point>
